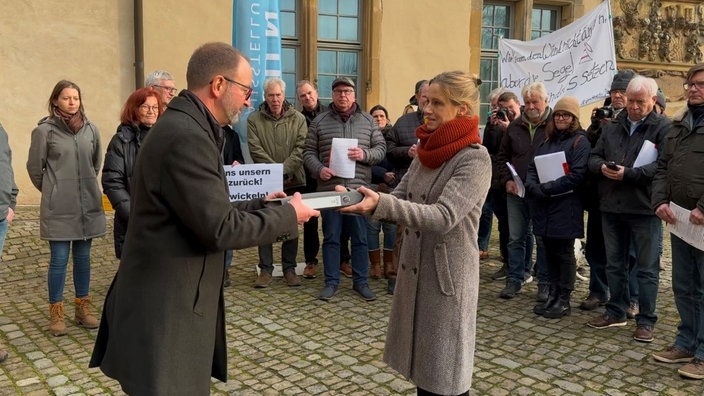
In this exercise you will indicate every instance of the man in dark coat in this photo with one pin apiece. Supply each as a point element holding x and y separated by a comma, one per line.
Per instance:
<point>628,220</point>
<point>163,325</point>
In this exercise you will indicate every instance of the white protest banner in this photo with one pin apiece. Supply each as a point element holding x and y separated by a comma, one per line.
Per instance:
<point>578,60</point>
<point>251,181</point>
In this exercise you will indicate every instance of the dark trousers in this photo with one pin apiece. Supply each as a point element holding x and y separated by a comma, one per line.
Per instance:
<point>311,241</point>
<point>595,253</point>
<point>501,213</point>
<point>561,263</point>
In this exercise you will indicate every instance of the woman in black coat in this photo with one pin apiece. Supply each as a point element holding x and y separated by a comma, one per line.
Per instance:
<point>139,113</point>
<point>556,208</point>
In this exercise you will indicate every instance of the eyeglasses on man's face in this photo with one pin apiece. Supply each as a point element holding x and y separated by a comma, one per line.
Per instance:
<point>170,90</point>
<point>247,90</point>
<point>343,92</point>
<point>698,84</point>
<point>145,108</point>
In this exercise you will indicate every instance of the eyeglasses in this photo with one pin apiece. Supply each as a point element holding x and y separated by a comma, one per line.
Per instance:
<point>562,116</point>
<point>343,92</point>
<point>247,90</point>
<point>698,84</point>
<point>146,108</point>
<point>170,90</point>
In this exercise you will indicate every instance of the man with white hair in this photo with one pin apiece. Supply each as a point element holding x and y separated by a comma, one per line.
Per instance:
<point>624,200</point>
<point>276,134</point>
<point>164,82</point>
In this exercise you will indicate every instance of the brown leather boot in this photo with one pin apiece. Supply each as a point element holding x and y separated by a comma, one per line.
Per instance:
<point>57,326</point>
<point>389,264</point>
<point>83,316</point>
<point>375,264</point>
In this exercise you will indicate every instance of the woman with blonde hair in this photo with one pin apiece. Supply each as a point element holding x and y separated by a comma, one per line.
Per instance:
<point>63,163</point>
<point>432,324</point>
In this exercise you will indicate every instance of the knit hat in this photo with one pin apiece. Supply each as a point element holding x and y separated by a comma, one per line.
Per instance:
<point>568,104</point>
<point>343,81</point>
<point>661,99</point>
<point>621,80</point>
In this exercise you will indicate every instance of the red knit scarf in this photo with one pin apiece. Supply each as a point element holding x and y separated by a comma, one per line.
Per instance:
<point>440,145</point>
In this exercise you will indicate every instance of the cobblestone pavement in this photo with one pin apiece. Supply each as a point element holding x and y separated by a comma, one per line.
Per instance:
<point>283,341</point>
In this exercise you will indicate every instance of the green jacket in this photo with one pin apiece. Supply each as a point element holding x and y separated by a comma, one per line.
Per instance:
<point>279,141</point>
<point>64,167</point>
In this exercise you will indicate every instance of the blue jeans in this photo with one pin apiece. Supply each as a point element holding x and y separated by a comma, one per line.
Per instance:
<point>620,230</point>
<point>373,230</point>
<point>356,226</point>
<point>485,222</point>
<point>289,251</point>
<point>3,234</point>
<point>688,289</point>
<point>520,243</point>
<point>633,280</point>
<point>57,268</point>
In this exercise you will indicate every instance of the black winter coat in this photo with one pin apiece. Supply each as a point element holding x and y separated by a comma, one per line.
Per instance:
<point>680,173</point>
<point>556,207</point>
<point>632,194</point>
<point>119,163</point>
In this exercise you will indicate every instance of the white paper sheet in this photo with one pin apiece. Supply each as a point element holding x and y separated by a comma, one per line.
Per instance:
<point>517,179</point>
<point>647,155</point>
<point>693,234</point>
<point>339,161</point>
<point>551,166</point>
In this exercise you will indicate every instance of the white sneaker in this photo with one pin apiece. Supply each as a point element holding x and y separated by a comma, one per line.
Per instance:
<point>528,279</point>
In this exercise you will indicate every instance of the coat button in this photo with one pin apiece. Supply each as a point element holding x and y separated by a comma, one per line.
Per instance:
<point>410,196</point>
<point>406,231</point>
<point>417,234</point>
<point>422,197</point>
<point>415,271</point>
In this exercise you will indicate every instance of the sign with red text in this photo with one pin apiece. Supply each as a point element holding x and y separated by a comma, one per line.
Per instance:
<point>578,60</point>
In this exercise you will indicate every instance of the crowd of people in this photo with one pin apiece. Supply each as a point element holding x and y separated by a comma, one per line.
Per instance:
<point>624,170</point>
<point>430,183</point>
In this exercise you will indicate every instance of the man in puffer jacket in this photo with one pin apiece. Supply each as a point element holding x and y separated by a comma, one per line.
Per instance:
<point>344,119</point>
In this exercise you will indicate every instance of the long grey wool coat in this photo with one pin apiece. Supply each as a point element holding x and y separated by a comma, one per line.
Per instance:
<point>163,325</point>
<point>432,324</point>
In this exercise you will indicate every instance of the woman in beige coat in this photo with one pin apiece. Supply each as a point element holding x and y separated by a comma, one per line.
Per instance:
<point>63,163</point>
<point>432,326</point>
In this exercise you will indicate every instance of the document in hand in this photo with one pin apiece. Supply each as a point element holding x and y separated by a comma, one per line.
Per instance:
<point>647,155</point>
<point>693,234</point>
<point>551,166</point>
<point>517,180</point>
<point>339,162</point>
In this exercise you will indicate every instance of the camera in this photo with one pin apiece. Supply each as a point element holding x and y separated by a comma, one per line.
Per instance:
<point>503,114</point>
<point>611,165</point>
<point>603,112</point>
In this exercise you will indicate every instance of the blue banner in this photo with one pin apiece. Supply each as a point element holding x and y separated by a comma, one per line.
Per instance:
<point>256,32</point>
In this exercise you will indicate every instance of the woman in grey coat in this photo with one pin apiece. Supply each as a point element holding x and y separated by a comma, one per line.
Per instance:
<point>63,163</point>
<point>432,326</point>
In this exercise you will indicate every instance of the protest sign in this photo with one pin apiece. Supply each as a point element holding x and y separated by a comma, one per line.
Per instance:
<point>578,60</point>
<point>251,181</point>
